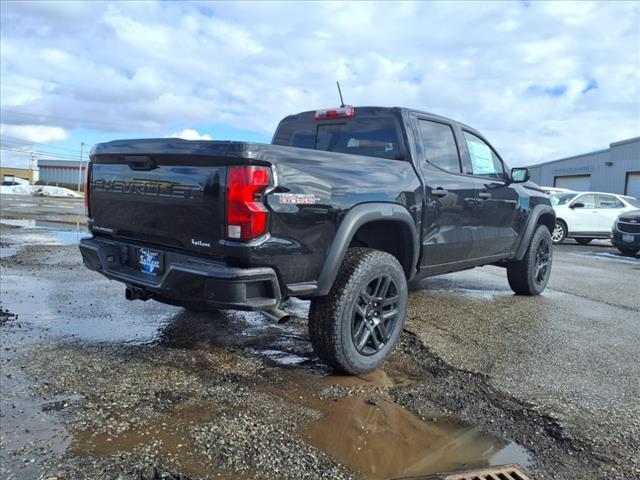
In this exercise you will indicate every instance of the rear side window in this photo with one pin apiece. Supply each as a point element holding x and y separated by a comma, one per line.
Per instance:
<point>484,161</point>
<point>608,201</point>
<point>373,137</point>
<point>440,146</point>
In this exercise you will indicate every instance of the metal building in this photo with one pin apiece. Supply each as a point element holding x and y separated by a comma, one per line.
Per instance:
<point>61,173</point>
<point>11,173</point>
<point>614,170</point>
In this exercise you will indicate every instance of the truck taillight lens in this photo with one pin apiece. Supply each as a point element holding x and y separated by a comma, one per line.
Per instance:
<point>246,213</point>
<point>87,183</point>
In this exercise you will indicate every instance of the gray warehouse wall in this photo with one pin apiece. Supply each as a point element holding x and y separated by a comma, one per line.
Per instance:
<point>61,177</point>
<point>607,169</point>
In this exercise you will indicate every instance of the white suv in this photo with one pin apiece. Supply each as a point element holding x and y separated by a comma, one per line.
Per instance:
<point>588,215</point>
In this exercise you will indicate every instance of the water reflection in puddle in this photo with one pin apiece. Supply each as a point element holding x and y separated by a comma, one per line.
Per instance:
<point>36,301</point>
<point>41,232</point>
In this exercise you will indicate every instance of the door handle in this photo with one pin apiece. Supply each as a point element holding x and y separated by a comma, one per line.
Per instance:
<point>484,195</point>
<point>439,192</point>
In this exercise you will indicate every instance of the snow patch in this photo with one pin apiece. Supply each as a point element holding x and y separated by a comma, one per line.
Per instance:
<point>38,191</point>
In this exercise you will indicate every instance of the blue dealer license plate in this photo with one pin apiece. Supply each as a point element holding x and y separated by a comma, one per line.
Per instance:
<point>149,261</point>
<point>627,238</point>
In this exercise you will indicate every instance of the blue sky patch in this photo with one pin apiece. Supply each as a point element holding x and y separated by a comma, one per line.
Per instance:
<point>539,90</point>
<point>592,85</point>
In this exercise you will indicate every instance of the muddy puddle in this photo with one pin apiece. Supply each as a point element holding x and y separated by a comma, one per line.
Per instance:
<point>374,436</point>
<point>384,440</point>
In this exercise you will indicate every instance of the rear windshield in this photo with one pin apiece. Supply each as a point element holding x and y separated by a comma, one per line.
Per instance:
<point>633,201</point>
<point>370,136</point>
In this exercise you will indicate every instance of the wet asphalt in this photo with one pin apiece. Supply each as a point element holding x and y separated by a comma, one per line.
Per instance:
<point>94,386</point>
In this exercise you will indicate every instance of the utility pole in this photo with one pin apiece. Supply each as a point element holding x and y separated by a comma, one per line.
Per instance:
<point>80,169</point>
<point>32,174</point>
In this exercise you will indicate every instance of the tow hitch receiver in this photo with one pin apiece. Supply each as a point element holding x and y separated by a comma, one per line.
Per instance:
<point>137,293</point>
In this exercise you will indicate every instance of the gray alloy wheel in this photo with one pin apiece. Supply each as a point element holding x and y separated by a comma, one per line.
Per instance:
<point>559,232</point>
<point>375,315</point>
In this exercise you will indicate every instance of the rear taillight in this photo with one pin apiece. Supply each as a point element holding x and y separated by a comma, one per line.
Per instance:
<point>246,213</point>
<point>87,183</point>
<point>332,113</point>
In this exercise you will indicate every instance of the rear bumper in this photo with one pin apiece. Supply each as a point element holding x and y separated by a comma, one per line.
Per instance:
<point>185,278</point>
<point>617,241</point>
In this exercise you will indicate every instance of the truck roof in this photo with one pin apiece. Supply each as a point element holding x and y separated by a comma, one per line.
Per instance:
<point>381,110</point>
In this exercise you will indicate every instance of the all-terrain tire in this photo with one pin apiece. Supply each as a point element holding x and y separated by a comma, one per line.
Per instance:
<point>336,319</point>
<point>530,275</point>
<point>584,241</point>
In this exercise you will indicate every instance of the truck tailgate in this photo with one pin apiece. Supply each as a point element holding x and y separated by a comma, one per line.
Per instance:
<point>168,192</point>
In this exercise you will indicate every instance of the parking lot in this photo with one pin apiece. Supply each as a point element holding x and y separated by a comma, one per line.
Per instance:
<point>95,386</point>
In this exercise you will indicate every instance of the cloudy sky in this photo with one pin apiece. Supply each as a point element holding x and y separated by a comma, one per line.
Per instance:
<point>540,80</point>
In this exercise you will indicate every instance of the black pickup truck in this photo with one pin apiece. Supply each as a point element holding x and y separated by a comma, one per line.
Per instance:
<point>345,207</point>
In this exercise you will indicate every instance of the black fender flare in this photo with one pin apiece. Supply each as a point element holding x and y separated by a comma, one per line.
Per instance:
<point>530,229</point>
<point>353,220</point>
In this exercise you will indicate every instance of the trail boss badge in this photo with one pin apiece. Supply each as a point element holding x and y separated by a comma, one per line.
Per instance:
<point>297,198</point>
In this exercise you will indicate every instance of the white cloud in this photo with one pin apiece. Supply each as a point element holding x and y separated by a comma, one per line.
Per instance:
<point>34,133</point>
<point>145,67</point>
<point>190,134</point>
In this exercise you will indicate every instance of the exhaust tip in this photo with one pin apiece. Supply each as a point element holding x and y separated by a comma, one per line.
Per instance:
<point>277,315</point>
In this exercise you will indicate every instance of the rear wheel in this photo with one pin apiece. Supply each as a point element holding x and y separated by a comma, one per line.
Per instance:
<point>559,232</point>
<point>357,325</point>
<point>628,250</point>
<point>530,275</point>
<point>584,241</point>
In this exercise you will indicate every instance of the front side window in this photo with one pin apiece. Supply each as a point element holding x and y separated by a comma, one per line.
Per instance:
<point>484,161</point>
<point>609,201</point>
<point>440,146</point>
<point>560,198</point>
<point>588,200</point>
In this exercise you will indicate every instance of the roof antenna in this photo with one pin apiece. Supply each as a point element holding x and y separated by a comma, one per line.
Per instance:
<point>340,92</point>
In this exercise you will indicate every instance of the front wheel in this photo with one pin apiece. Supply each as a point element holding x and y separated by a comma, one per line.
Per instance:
<point>530,275</point>
<point>357,325</point>
<point>559,232</point>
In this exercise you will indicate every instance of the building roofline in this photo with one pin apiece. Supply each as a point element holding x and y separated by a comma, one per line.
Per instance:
<point>568,158</point>
<point>614,144</point>
<point>622,142</point>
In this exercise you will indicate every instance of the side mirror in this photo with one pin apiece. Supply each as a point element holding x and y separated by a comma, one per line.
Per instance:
<point>577,205</point>
<point>519,175</point>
